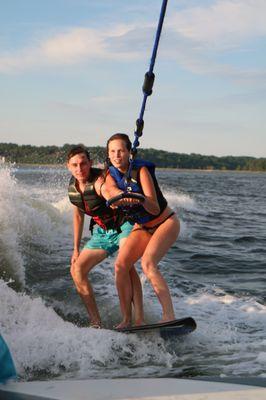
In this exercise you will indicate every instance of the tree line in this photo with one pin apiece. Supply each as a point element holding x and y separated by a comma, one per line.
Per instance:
<point>27,154</point>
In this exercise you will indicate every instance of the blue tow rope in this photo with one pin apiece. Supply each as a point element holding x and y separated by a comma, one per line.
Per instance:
<point>147,89</point>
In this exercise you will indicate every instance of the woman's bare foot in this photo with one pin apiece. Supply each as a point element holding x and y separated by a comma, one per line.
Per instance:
<point>167,319</point>
<point>123,324</point>
<point>139,322</point>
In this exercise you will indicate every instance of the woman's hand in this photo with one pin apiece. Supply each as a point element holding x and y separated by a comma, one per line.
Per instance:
<point>127,202</point>
<point>126,199</point>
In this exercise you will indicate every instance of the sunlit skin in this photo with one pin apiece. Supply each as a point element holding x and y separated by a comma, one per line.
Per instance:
<point>79,166</point>
<point>119,157</point>
<point>118,154</point>
<point>150,247</point>
<point>82,262</point>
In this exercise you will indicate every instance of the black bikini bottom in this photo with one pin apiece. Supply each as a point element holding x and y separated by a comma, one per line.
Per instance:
<point>152,229</point>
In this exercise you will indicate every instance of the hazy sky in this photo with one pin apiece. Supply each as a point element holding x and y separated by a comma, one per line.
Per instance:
<point>71,71</point>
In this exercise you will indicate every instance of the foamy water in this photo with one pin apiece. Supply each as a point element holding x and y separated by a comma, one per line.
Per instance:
<point>209,270</point>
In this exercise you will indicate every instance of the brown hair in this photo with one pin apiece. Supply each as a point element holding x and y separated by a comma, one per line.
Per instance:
<point>116,136</point>
<point>77,150</point>
<point>119,136</point>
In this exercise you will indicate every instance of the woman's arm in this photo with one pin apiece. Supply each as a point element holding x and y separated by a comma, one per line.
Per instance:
<point>109,188</point>
<point>151,202</point>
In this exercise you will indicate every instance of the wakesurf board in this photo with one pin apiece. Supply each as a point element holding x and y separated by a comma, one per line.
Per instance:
<point>176,327</point>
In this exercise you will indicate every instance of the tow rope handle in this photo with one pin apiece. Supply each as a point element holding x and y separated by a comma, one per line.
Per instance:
<point>147,90</point>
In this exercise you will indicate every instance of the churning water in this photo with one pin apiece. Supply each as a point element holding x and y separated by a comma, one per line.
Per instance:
<point>215,270</point>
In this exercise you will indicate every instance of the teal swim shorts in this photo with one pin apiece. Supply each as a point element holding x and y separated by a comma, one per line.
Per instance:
<point>108,240</point>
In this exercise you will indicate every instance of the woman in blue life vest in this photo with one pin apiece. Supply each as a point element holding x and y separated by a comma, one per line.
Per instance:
<point>156,225</point>
<point>110,231</point>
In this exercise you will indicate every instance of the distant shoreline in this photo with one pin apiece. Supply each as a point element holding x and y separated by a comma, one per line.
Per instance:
<point>54,155</point>
<point>62,166</point>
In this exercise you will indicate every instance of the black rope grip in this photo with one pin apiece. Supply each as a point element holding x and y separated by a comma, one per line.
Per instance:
<point>148,83</point>
<point>140,126</point>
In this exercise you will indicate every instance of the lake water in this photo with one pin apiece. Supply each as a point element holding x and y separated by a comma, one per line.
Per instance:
<point>215,270</point>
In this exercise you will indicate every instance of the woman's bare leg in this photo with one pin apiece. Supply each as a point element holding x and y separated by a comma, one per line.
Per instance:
<point>127,256</point>
<point>162,239</point>
<point>137,297</point>
<point>136,292</point>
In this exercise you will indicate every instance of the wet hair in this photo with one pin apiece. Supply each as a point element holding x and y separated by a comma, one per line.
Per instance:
<point>77,150</point>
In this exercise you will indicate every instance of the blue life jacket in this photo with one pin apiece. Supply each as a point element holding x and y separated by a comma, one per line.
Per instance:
<point>137,213</point>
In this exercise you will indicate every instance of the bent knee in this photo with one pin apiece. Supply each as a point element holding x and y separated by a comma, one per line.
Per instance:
<point>121,268</point>
<point>149,267</point>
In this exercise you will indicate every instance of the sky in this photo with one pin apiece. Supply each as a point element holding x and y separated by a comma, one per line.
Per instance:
<point>71,71</point>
